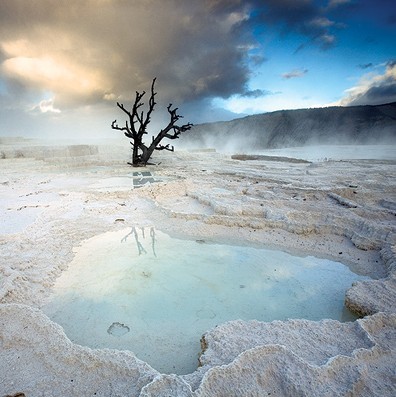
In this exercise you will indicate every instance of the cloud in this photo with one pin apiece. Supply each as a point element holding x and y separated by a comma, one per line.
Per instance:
<point>321,22</point>
<point>87,52</point>
<point>257,60</point>
<point>304,17</point>
<point>70,80</point>
<point>373,89</point>
<point>366,66</point>
<point>46,106</point>
<point>258,93</point>
<point>336,3</point>
<point>294,73</point>
<point>97,50</point>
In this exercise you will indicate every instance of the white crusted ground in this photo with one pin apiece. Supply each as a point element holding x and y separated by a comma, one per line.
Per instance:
<point>51,199</point>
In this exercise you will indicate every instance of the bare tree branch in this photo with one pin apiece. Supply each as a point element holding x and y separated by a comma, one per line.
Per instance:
<point>166,147</point>
<point>152,103</point>
<point>141,120</point>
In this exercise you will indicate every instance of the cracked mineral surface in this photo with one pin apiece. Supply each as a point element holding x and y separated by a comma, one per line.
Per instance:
<point>53,199</point>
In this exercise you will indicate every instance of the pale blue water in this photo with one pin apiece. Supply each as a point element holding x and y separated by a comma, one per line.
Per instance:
<point>155,295</point>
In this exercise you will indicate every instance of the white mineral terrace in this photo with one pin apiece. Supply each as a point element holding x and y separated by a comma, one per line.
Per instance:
<point>57,202</point>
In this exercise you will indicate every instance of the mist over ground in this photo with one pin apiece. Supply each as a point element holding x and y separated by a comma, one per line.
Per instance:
<point>355,132</point>
<point>354,125</point>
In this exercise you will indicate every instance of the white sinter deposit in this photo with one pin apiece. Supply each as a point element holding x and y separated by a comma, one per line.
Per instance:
<point>54,198</point>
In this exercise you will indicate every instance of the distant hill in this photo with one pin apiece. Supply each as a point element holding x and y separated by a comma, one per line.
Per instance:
<point>288,128</point>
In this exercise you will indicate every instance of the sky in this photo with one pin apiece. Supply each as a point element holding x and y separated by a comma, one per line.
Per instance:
<point>64,64</point>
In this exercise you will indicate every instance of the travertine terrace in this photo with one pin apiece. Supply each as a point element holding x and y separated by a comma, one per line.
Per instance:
<point>53,198</point>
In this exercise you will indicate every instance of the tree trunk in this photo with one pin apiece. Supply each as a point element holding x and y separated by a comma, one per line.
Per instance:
<point>146,155</point>
<point>135,156</point>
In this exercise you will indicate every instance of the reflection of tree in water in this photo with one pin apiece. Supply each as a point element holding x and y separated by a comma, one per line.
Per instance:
<point>140,247</point>
<point>142,178</point>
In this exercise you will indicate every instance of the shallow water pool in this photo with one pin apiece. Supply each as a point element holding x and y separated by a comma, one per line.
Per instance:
<point>141,290</point>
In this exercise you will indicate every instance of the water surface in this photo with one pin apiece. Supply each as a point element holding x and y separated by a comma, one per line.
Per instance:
<point>141,290</point>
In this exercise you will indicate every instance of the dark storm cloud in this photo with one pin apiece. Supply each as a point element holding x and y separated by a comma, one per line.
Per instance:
<point>95,50</point>
<point>294,13</point>
<point>300,16</point>
<point>337,3</point>
<point>87,52</point>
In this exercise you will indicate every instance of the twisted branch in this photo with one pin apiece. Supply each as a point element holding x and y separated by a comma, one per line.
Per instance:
<point>135,116</point>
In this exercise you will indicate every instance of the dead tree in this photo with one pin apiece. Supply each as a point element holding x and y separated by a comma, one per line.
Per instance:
<point>136,127</point>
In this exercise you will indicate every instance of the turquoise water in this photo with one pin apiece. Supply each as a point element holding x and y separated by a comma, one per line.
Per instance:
<point>141,290</point>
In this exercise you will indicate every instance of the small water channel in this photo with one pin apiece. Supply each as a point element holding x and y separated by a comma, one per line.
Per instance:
<point>141,290</point>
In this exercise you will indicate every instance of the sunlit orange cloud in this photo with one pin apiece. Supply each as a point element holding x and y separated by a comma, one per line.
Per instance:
<point>51,74</point>
<point>65,78</point>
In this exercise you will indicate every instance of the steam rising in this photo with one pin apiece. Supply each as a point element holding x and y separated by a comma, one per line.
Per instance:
<point>358,125</point>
